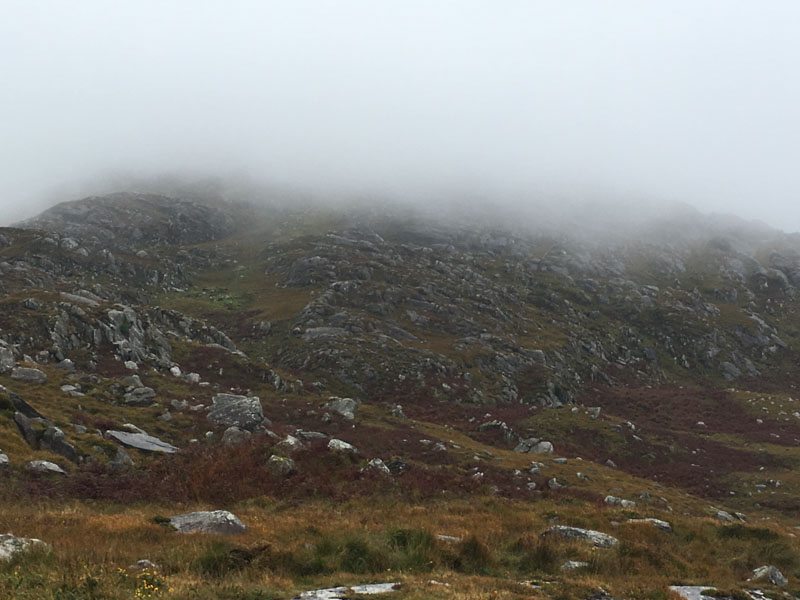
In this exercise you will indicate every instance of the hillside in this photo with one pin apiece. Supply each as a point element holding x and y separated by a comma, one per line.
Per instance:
<point>393,397</point>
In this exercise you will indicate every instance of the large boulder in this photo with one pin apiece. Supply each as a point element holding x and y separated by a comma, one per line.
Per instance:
<point>141,441</point>
<point>215,521</point>
<point>28,375</point>
<point>596,538</point>
<point>11,545</point>
<point>239,411</point>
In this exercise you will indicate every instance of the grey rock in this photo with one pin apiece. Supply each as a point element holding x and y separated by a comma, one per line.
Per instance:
<point>596,538</point>
<point>614,501</point>
<point>11,546</point>
<point>572,565</point>
<point>141,441</point>
<point>343,593</point>
<point>234,410</point>
<point>342,447</point>
<point>534,446</point>
<point>44,467</point>
<point>234,436</point>
<point>289,444</point>
<point>4,461</point>
<point>28,375</point>
<point>215,521</point>
<point>141,396</point>
<point>692,592</point>
<point>771,574</point>
<point>280,466</point>
<point>346,407</point>
<point>376,465</point>
<point>658,523</point>
<point>54,440</point>
<point>121,459</point>
<point>7,361</point>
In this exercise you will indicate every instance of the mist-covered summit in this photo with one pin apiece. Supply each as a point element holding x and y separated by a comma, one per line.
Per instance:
<point>500,309</point>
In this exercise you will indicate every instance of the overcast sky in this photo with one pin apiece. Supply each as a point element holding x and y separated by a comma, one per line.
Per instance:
<point>695,101</point>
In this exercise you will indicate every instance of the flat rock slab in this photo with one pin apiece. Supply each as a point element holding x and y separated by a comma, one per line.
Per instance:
<point>240,411</point>
<point>142,441</point>
<point>28,375</point>
<point>11,545</point>
<point>214,521</point>
<point>597,538</point>
<point>692,592</point>
<point>44,467</point>
<point>343,593</point>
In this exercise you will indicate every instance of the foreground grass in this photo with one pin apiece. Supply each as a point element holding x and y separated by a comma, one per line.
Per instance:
<point>289,548</point>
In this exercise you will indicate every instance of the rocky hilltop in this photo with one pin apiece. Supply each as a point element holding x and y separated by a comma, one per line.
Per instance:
<point>166,350</point>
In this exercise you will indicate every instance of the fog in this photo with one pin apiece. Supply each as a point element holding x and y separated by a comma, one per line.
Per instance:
<point>512,103</point>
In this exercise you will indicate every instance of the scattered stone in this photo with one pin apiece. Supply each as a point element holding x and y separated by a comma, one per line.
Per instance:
<point>610,463</point>
<point>140,396</point>
<point>28,375</point>
<point>234,436</point>
<point>175,371</point>
<point>397,412</point>
<point>662,525</point>
<point>131,365</point>
<point>555,484</point>
<point>141,441</point>
<point>593,412</point>
<point>343,447</point>
<point>572,565</point>
<point>725,516</point>
<point>215,521</point>
<point>534,446</point>
<point>280,466</point>
<point>4,462</point>
<point>121,459</point>
<point>11,545</point>
<point>692,592</point>
<point>242,411</point>
<point>448,539</point>
<point>343,593</point>
<point>289,444</point>
<point>144,565</point>
<point>614,501</point>
<point>597,538</point>
<point>771,574</point>
<point>7,361</point>
<point>44,467</point>
<point>376,465</point>
<point>346,407</point>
